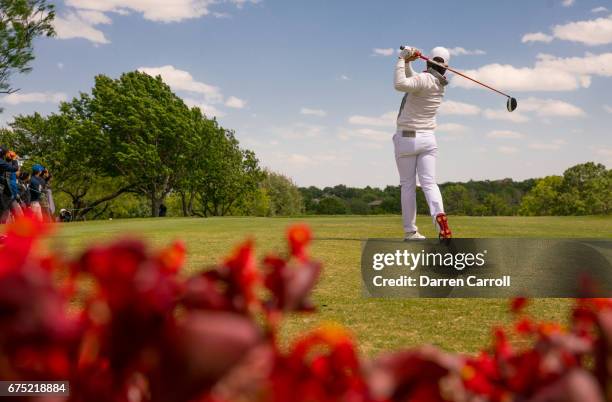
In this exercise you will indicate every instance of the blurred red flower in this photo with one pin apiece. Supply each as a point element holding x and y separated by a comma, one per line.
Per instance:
<point>121,324</point>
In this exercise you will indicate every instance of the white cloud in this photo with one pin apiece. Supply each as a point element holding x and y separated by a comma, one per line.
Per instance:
<point>235,102</point>
<point>507,150</point>
<point>385,120</point>
<point>374,135</point>
<point>383,52</point>
<point>94,17</point>
<point>581,67</point>
<point>75,25</point>
<point>505,135</point>
<point>548,146</point>
<point>459,51</point>
<point>568,3</point>
<point>599,10</point>
<point>458,108</point>
<point>298,131</point>
<point>606,153</point>
<point>208,109</point>
<point>503,114</point>
<point>344,77</point>
<point>537,37</point>
<point>298,159</point>
<point>540,107</point>
<point>607,108</point>
<point>549,73</point>
<point>241,3</point>
<point>590,32</point>
<point>451,128</point>
<point>205,96</point>
<point>283,160</point>
<point>153,10</point>
<point>551,107</point>
<point>507,77</point>
<point>181,80</point>
<point>34,97</point>
<point>313,112</point>
<point>82,16</point>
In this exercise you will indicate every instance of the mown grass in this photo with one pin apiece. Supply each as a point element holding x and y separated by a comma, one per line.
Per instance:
<point>461,325</point>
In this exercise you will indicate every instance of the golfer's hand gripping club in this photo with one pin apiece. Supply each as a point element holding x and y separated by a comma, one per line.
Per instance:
<point>409,53</point>
<point>511,103</point>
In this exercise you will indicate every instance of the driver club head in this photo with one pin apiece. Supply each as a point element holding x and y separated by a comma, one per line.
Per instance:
<point>511,104</point>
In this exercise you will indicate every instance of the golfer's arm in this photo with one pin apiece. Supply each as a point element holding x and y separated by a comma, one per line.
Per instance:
<point>409,71</point>
<point>403,82</point>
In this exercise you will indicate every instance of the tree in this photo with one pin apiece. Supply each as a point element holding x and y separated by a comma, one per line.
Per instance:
<point>148,132</point>
<point>21,21</point>
<point>358,206</point>
<point>258,204</point>
<point>228,175</point>
<point>331,205</point>
<point>311,196</point>
<point>285,198</point>
<point>62,143</point>
<point>543,199</point>
<point>133,134</point>
<point>457,200</point>
<point>496,205</point>
<point>583,189</point>
<point>591,184</point>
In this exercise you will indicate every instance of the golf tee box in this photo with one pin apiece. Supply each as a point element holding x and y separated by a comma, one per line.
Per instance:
<point>487,268</point>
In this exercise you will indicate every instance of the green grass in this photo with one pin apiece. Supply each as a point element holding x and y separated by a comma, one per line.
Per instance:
<point>461,325</point>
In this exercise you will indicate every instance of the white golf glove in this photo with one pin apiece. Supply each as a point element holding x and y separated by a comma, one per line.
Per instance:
<point>409,53</point>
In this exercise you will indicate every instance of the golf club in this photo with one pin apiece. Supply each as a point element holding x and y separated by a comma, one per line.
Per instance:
<point>511,104</point>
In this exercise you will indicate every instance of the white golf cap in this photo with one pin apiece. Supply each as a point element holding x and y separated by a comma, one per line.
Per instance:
<point>441,52</point>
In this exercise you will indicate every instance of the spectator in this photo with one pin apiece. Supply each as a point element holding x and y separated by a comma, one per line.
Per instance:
<point>13,189</point>
<point>46,202</point>
<point>5,169</point>
<point>24,191</point>
<point>37,184</point>
<point>65,215</point>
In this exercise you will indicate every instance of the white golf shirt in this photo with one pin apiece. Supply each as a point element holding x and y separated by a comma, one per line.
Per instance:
<point>424,93</point>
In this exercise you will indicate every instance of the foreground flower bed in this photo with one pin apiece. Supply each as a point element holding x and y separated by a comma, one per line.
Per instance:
<point>143,332</point>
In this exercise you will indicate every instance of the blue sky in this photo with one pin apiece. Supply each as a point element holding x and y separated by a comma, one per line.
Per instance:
<point>308,86</point>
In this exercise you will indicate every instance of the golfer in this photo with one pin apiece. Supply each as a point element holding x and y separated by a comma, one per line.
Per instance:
<point>414,142</point>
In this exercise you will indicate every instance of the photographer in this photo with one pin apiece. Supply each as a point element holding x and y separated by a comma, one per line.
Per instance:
<point>6,168</point>
<point>12,194</point>
<point>37,186</point>
<point>24,191</point>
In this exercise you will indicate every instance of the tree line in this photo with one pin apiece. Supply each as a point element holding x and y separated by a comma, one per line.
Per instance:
<point>584,189</point>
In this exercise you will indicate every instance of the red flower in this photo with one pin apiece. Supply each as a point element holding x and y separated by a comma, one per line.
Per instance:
<point>173,258</point>
<point>525,326</point>
<point>299,236</point>
<point>322,366</point>
<point>290,284</point>
<point>518,304</point>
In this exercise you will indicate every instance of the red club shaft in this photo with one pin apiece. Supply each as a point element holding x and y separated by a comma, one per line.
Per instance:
<point>463,75</point>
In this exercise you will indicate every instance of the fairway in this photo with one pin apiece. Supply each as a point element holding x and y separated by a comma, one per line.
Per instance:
<point>461,325</point>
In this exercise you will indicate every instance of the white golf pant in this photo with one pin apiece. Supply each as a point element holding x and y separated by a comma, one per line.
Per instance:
<point>417,156</point>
